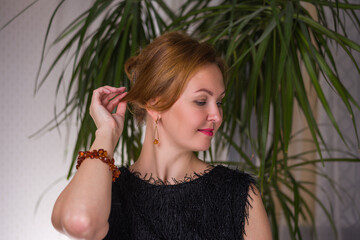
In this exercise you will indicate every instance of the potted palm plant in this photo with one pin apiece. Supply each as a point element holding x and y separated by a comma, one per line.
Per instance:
<point>270,46</point>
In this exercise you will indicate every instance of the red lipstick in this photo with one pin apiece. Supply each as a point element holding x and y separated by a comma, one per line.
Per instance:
<point>207,131</point>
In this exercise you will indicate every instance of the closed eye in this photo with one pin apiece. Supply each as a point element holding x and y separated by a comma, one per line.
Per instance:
<point>200,103</point>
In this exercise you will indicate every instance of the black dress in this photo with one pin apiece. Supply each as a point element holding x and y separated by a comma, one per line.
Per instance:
<point>212,206</point>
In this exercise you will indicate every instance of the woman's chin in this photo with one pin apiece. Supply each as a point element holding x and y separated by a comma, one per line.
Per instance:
<point>202,148</point>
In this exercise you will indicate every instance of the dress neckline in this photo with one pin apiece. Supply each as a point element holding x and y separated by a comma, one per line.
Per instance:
<point>151,181</point>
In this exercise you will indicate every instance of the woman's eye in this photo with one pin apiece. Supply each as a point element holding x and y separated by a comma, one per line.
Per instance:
<point>219,103</point>
<point>200,103</point>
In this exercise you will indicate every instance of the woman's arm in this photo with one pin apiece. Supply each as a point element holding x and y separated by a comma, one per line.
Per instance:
<point>257,226</point>
<point>82,209</point>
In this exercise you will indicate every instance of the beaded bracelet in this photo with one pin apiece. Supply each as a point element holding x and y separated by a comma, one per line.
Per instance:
<point>100,154</point>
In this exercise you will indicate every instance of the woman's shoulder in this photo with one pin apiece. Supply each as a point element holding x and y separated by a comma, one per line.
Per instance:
<point>228,180</point>
<point>233,175</point>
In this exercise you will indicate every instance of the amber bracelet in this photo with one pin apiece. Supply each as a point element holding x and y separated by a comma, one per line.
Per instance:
<point>100,154</point>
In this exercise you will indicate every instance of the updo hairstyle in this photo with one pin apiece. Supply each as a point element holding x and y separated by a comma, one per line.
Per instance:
<point>160,72</point>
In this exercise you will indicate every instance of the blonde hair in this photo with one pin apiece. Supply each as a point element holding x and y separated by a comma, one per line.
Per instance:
<point>162,69</point>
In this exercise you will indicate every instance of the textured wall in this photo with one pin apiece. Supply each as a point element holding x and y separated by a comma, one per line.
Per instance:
<point>345,207</point>
<point>29,166</point>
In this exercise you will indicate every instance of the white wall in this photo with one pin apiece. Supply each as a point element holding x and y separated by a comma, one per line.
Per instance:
<point>29,166</point>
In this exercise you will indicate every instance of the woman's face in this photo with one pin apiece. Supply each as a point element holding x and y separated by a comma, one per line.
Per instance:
<point>195,117</point>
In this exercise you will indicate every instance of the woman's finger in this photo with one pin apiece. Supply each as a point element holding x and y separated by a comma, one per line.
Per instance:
<point>121,107</point>
<point>98,94</point>
<point>105,99</point>
<point>119,115</point>
<point>101,97</point>
<point>114,88</point>
<point>114,102</point>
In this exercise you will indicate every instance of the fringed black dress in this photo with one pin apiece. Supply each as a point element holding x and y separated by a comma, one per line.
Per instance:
<point>212,206</point>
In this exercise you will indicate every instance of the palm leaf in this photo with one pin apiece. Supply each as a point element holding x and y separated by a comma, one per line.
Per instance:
<point>265,45</point>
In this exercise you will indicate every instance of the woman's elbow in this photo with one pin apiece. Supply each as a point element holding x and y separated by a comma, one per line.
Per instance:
<point>80,226</point>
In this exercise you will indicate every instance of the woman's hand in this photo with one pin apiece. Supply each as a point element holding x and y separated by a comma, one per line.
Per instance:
<point>103,103</point>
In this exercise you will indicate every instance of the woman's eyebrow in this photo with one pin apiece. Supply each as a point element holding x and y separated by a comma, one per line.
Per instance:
<point>208,91</point>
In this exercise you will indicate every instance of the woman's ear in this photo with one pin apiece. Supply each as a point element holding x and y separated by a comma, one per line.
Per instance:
<point>155,115</point>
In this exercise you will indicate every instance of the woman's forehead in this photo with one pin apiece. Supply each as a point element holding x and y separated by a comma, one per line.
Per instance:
<point>207,79</point>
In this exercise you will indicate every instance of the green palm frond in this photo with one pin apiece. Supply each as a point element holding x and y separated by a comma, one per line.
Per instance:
<point>269,46</point>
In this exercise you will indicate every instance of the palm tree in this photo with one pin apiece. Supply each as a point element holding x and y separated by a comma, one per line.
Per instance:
<point>271,47</point>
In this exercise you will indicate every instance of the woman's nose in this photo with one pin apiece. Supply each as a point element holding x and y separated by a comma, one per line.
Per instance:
<point>215,115</point>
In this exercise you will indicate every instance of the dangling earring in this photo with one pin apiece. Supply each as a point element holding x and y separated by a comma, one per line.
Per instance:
<point>156,139</point>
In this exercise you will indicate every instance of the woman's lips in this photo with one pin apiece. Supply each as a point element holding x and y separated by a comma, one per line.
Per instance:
<point>207,131</point>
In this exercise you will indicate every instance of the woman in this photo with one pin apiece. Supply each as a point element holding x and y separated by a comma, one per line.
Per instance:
<point>168,193</point>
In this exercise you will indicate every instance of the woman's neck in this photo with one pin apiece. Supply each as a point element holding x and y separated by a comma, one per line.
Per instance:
<point>165,162</point>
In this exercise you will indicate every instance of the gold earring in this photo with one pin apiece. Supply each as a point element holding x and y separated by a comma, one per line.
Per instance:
<point>156,139</point>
